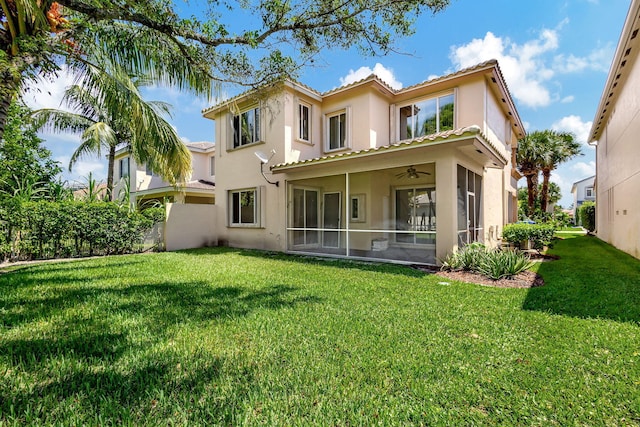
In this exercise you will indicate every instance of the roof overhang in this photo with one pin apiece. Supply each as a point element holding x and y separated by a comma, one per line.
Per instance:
<point>626,52</point>
<point>479,148</point>
<point>159,191</point>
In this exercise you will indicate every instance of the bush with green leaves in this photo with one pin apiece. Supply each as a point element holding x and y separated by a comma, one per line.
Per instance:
<point>499,264</point>
<point>587,215</point>
<point>493,263</point>
<point>467,258</point>
<point>540,235</point>
<point>39,230</point>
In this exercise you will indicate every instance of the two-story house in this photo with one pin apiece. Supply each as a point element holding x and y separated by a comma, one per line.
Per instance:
<point>368,172</point>
<point>582,191</point>
<point>145,186</point>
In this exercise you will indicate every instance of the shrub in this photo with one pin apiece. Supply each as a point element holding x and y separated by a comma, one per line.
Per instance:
<point>587,215</point>
<point>540,235</point>
<point>498,264</point>
<point>493,263</point>
<point>466,258</point>
<point>72,228</point>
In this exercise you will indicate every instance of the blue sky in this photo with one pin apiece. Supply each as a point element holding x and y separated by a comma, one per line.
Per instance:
<point>555,55</point>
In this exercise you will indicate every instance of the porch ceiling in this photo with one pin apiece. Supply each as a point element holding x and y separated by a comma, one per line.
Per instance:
<point>481,150</point>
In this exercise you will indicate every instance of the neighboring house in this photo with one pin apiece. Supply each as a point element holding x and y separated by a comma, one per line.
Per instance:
<point>615,131</point>
<point>365,171</point>
<point>582,191</point>
<point>145,187</point>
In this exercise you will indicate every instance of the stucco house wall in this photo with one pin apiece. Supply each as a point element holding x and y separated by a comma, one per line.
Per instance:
<point>615,131</point>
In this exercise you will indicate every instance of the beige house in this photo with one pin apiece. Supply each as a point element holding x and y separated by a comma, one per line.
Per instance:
<point>144,186</point>
<point>368,172</point>
<point>615,131</point>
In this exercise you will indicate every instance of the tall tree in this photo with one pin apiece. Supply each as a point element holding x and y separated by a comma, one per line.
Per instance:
<point>148,35</point>
<point>108,109</point>
<point>542,151</point>
<point>528,160</point>
<point>28,45</point>
<point>25,165</point>
<point>559,147</point>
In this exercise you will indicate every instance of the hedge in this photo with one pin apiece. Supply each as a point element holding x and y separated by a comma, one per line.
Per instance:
<point>587,214</point>
<point>40,230</point>
<point>540,235</point>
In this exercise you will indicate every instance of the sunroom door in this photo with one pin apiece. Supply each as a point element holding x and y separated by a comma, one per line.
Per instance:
<point>305,217</point>
<point>331,220</point>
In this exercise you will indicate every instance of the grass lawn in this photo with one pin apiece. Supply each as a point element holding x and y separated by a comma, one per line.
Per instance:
<point>229,337</point>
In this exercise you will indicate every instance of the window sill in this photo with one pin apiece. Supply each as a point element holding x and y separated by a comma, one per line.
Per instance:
<point>253,144</point>
<point>337,150</point>
<point>251,226</point>
<point>302,141</point>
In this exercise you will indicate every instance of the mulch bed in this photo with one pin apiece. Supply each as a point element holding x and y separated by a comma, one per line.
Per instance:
<point>526,279</point>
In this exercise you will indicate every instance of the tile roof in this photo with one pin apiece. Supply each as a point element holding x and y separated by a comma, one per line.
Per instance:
<point>202,145</point>
<point>439,137</point>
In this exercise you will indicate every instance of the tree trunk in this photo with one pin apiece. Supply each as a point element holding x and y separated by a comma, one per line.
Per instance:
<point>111,158</point>
<point>544,192</point>
<point>532,190</point>
<point>8,91</point>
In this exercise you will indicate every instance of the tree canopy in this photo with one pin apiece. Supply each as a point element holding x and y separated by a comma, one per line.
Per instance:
<point>150,37</point>
<point>542,151</point>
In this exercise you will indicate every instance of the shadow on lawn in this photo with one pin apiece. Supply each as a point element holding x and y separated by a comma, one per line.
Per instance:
<point>107,351</point>
<point>590,280</point>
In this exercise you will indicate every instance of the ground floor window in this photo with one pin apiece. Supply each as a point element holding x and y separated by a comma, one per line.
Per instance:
<point>243,207</point>
<point>415,211</point>
<point>469,187</point>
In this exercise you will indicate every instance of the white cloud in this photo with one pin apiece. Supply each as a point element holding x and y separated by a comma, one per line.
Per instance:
<point>568,99</point>
<point>524,70</point>
<point>385,74</point>
<point>529,67</point>
<point>48,92</point>
<point>575,125</point>
<point>584,169</point>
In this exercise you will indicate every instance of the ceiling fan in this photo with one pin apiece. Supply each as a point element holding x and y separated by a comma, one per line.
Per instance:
<point>411,173</point>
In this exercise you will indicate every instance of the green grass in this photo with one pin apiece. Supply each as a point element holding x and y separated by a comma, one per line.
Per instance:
<point>227,337</point>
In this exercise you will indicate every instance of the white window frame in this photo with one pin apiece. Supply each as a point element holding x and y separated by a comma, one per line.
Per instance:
<point>257,134</point>
<point>588,192</point>
<point>256,207</point>
<point>419,100</point>
<point>299,134</point>
<point>212,165</point>
<point>347,132</point>
<point>357,214</point>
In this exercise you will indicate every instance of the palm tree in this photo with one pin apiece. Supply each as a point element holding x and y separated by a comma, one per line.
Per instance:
<point>108,109</point>
<point>559,148</point>
<point>528,160</point>
<point>36,38</point>
<point>27,20</point>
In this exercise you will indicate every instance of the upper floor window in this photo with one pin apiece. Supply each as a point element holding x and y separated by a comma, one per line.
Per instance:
<point>124,167</point>
<point>147,170</point>
<point>588,192</point>
<point>427,117</point>
<point>212,165</point>
<point>304,123</point>
<point>246,128</point>
<point>337,132</point>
